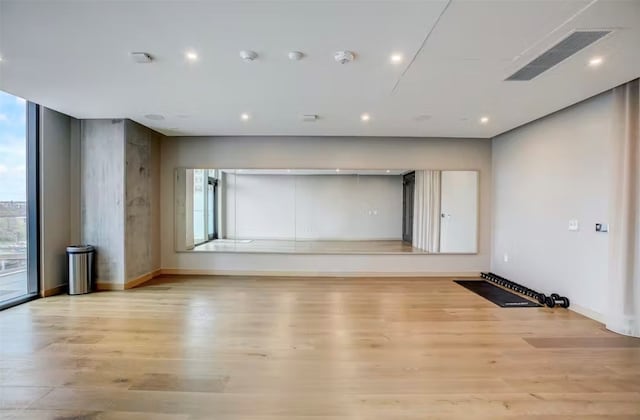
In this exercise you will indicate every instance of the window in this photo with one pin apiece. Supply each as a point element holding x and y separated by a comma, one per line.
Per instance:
<point>204,206</point>
<point>199,200</point>
<point>18,200</point>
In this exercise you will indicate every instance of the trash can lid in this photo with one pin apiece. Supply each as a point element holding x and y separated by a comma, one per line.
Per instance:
<point>79,249</point>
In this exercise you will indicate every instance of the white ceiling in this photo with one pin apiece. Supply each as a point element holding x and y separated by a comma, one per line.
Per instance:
<point>73,56</point>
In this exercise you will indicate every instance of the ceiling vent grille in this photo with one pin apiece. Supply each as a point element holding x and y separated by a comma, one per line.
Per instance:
<point>561,51</point>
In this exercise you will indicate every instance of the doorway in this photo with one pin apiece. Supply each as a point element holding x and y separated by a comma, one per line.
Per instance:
<point>212,208</point>
<point>408,188</point>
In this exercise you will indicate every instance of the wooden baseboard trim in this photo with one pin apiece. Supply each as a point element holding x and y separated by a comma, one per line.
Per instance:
<point>596,316</point>
<point>58,290</point>
<point>135,282</point>
<point>103,286</point>
<point>188,272</point>
<point>141,279</point>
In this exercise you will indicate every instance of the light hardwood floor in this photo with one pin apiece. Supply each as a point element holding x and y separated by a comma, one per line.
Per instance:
<point>308,348</point>
<point>313,247</point>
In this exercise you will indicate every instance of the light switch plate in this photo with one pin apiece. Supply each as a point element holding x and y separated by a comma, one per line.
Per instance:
<point>574,225</point>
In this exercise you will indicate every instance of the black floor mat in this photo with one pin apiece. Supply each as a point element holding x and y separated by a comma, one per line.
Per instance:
<point>496,294</point>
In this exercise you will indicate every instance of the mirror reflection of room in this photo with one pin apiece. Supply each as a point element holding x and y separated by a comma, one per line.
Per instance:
<point>326,211</point>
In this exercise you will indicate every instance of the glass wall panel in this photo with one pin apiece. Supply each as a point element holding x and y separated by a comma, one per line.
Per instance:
<point>14,202</point>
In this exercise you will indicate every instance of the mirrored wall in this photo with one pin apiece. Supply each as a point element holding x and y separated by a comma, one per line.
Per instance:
<point>326,211</point>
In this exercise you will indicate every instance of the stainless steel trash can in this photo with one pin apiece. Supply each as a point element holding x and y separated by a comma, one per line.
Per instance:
<point>80,268</point>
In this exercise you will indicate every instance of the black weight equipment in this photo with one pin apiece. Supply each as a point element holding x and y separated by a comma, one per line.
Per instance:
<point>551,301</point>
<point>540,297</point>
<point>556,299</point>
<point>505,283</point>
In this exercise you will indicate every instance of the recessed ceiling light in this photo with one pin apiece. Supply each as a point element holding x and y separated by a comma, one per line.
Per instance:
<point>244,116</point>
<point>484,120</point>
<point>365,117</point>
<point>155,117</point>
<point>396,58</point>
<point>595,61</point>
<point>191,56</point>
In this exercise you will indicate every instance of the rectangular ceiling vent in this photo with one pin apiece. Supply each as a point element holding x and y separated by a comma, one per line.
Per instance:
<point>564,49</point>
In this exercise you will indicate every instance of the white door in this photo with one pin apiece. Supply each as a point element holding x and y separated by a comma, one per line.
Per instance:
<point>459,212</point>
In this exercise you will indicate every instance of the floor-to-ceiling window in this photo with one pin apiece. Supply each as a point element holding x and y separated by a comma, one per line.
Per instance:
<point>18,200</point>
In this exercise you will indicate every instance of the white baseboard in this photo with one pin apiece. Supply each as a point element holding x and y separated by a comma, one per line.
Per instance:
<point>596,316</point>
<point>182,272</point>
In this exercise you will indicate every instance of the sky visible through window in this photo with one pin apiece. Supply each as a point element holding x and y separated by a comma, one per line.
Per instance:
<point>13,132</point>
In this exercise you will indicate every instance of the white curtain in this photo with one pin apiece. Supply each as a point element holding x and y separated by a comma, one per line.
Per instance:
<point>426,211</point>
<point>623,314</point>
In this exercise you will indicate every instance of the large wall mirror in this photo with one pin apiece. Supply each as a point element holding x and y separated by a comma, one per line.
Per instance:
<point>331,211</point>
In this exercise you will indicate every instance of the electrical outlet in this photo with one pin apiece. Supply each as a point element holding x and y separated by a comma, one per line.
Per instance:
<point>574,225</point>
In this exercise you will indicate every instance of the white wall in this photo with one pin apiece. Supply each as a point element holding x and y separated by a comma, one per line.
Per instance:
<point>314,207</point>
<point>546,173</point>
<point>260,206</point>
<point>322,153</point>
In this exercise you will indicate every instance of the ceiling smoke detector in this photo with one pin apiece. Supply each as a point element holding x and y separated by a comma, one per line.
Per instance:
<point>344,57</point>
<point>248,56</point>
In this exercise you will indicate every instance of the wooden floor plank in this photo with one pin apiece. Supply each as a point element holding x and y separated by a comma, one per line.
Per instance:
<point>247,348</point>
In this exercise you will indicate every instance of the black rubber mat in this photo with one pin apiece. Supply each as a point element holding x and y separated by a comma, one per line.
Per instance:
<point>496,294</point>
